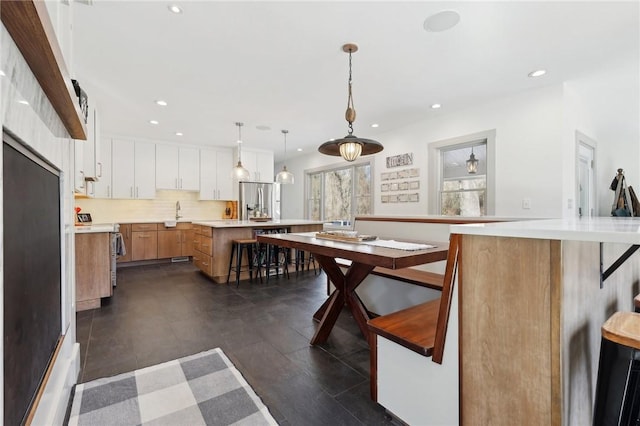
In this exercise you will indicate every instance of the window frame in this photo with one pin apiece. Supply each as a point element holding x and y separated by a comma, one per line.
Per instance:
<point>333,167</point>
<point>436,172</point>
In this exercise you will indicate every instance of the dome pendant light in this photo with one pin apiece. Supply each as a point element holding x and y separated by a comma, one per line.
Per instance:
<point>284,176</point>
<point>239,172</point>
<point>472,164</point>
<point>350,147</point>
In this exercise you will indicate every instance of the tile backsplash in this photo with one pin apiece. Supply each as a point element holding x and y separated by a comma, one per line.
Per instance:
<point>162,208</point>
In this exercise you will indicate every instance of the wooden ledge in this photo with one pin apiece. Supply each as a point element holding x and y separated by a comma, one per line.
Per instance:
<point>414,276</point>
<point>414,327</point>
<point>29,25</point>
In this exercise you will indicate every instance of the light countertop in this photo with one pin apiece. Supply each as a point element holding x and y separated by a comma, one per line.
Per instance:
<point>255,224</point>
<point>599,229</point>
<point>97,227</point>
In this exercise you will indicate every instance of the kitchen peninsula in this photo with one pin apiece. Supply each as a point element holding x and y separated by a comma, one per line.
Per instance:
<point>212,241</point>
<point>533,297</point>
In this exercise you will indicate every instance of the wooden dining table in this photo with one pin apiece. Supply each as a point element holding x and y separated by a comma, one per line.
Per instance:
<point>364,257</point>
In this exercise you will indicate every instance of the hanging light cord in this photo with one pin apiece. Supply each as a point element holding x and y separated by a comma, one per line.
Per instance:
<point>239,142</point>
<point>350,114</point>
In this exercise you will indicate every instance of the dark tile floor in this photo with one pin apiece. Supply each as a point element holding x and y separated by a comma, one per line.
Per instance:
<point>162,312</point>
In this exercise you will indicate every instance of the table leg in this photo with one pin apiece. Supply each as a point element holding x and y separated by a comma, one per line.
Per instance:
<point>345,293</point>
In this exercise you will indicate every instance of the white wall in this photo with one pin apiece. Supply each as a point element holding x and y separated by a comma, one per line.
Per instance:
<point>528,132</point>
<point>605,106</point>
<point>535,144</point>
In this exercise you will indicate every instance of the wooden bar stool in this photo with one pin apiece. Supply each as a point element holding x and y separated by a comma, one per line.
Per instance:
<point>237,247</point>
<point>618,386</point>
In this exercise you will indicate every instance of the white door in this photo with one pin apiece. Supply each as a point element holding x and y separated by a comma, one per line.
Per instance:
<point>167,167</point>
<point>208,189</point>
<point>586,195</point>
<point>145,170</point>
<point>189,169</point>
<point>225,184</point>
<point>103,185</point>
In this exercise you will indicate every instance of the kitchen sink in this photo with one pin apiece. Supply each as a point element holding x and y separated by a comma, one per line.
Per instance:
<point>170,223</point>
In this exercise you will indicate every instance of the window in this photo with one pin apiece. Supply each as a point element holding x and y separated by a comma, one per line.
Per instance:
<point>463,193</point>
<point>453,190</point>
<point>338,194</point>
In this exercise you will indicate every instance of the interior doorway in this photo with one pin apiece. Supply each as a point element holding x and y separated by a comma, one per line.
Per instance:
<point>586,173</point>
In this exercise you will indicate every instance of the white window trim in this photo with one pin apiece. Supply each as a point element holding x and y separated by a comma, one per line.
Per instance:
<point>335,166</point>
<point>435,168</point>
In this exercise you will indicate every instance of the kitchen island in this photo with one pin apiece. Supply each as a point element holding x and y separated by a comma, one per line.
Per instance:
<point>212,241</point>
<point>533,296</point>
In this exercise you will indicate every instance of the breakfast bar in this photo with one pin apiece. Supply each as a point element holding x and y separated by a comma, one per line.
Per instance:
<point>532,300</point>
<point>213,239</point>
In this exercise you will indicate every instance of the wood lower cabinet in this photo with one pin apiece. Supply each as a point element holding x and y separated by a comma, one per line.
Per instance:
<point>144,241</point>
<point>125,230</point>
<point>93,269</point>
<point>176,241</point>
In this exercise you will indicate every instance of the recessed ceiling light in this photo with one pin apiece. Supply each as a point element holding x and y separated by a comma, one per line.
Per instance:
<point>178,133</point>
<point>175,9</point>
<point>2,74</point>
<point>153,121</point>
<point>436,106</point>
<point>441,21</point>
<point>23,102</point>
<point>161,102</point>
<point>299,149</point>
<point>374,125</point>
<point>537,73</point>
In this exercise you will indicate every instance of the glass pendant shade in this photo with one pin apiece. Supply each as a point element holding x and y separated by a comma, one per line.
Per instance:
<point>350,147</point>
<point>472,164</point>
<point>285,176</point>
<point>239,172</point>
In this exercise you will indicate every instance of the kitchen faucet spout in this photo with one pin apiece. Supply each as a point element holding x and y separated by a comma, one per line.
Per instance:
<point>178,210</point>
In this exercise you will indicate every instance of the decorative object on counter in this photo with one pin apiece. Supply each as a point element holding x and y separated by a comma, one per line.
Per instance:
<point>284,176</point>
<point>622,203</point>
<point>348,236</point>
<point>239,171</point>
<point>82,218</point>
<point>472,164</point>
<point>350,147</point>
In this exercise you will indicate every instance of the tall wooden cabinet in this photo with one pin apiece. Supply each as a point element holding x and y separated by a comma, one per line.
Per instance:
<point>93,269</point>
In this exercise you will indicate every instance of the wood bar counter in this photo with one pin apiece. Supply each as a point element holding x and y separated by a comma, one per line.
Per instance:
<point>531,306</point>
<point>212,241</point>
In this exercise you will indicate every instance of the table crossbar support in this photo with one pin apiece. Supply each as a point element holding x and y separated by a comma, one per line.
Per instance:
<point>615,265</point>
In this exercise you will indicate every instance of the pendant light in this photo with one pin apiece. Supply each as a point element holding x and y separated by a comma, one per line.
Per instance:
<point>239,172</point>
<point>284,176</point>
<point>350,147</point>
<point>472,164</point>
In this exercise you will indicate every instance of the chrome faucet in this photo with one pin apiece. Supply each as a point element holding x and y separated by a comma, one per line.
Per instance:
<point>178,210</point>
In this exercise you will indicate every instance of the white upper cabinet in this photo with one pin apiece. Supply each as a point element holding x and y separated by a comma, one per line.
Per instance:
<point>79,184</point>
<point>91,150</point>
<point>259,163</point>
<point>177,168</point>
<point>133,169</point>
<point>102,188</point>
<point>215,174</point>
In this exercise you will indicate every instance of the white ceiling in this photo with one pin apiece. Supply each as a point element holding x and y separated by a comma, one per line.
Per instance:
<point>280,64</point>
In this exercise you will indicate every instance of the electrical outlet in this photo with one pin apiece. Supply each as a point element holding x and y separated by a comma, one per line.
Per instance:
<point>526,203</point>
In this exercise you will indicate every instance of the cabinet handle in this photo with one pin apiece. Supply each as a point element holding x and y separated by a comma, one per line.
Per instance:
<point>176,184</point>
<point>136,192</point>
<point>131,191</point>
<point>100,172</point>
<point>108,191</point>
<point>180,183</point>
<point>82,173</point>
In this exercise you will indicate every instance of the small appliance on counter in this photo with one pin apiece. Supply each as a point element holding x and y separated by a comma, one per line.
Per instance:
<point>82,218</point>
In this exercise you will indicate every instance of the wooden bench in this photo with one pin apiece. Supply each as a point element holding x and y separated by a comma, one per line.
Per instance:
<point>421,328</point>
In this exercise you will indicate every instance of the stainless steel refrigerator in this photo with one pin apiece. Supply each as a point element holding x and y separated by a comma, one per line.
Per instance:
<point>259,200</point>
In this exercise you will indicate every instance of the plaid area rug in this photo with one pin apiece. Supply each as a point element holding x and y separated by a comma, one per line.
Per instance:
<point>201,389</point>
